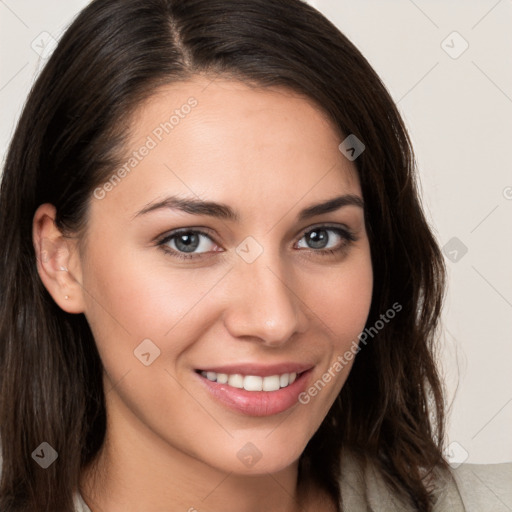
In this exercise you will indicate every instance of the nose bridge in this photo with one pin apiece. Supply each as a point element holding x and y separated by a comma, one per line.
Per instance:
<point>263,303</point>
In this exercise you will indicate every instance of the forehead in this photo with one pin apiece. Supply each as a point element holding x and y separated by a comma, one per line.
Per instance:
<point>233,141</point>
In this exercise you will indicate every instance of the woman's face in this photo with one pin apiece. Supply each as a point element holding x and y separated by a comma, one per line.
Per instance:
<point>210,260</point>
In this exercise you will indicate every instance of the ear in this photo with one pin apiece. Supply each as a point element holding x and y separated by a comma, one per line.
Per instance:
<point>58,262</point>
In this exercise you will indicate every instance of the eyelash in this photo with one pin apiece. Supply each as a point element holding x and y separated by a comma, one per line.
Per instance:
<point>347,238</point>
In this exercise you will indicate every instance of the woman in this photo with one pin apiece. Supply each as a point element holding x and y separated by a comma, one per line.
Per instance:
<point>209,221</point>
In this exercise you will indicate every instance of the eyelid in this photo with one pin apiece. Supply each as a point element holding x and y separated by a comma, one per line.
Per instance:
<point>210,232</point>
<point>335,227</point>
<point>173,232</point>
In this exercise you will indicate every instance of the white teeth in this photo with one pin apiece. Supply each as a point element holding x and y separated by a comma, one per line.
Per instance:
<point>271,383</point>
<point>252,382</point>
<point>236,381</point>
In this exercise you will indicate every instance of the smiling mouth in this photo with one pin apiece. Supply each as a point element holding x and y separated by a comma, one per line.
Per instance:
<point>252,382</point>
<point>254,389</point>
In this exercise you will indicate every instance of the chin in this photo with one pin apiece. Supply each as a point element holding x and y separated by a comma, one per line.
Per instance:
<point>264,454</point>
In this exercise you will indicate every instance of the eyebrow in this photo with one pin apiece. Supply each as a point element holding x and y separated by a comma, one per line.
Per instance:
<point>225,212</point>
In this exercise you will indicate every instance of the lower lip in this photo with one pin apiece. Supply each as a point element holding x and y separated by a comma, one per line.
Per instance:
<point>258,403</point>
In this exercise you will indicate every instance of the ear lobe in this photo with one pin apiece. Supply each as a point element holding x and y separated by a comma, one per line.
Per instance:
<point>55,264</point>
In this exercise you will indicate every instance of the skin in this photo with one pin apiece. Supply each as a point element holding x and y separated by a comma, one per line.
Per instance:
<point>267,153</point>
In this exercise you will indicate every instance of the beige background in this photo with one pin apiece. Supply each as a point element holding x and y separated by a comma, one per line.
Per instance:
<point>457,103</point>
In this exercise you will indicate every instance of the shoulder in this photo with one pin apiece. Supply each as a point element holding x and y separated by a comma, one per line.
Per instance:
<point>485,486</point>
<point>466,488</point>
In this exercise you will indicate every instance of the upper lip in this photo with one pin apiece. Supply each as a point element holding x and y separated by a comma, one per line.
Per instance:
<point>258,369</point>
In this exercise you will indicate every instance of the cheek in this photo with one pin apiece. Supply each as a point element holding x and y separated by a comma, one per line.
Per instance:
<point>342,307</point>
<point>128,301</point>
<point>343,302</point>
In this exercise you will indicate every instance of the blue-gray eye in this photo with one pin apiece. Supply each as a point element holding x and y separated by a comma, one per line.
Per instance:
<point>189,242</point>
<point>323,238</point>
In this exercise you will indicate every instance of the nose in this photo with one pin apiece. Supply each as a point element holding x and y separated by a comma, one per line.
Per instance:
<point>263,304</point>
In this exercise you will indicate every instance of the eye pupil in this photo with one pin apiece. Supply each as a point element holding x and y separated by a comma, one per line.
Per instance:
<point>318,238</point>
<point>187,242</point>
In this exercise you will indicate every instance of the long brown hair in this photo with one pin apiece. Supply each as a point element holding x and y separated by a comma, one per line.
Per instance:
<point>69,140</point>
